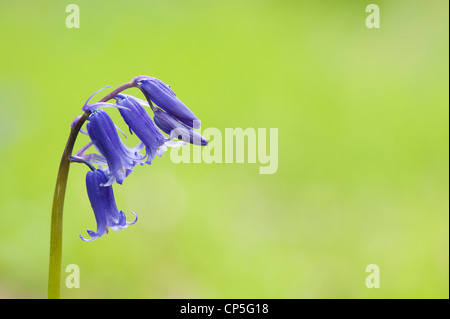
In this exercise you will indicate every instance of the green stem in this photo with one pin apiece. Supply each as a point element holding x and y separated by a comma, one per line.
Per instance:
<point>54,278</point>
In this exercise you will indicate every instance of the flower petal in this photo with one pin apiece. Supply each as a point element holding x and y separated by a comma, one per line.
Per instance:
<point>170,125</point>
<point>141,124</point>
<point>95,106</point>
<point>175,143</point>
<point>103,204</point>
<point>163,96</point>
<point>104,136</point>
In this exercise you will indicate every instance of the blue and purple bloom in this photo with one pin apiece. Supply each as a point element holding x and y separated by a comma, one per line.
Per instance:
<point>142,125</point>
<point>116,160</point>
<point>120,158</point>
<point>104,205</point>
<point>170,125</point>
<point>161,94</point>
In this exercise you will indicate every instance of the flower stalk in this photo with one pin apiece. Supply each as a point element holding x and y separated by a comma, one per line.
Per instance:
<point>116,160</point>
<point>54,278</point>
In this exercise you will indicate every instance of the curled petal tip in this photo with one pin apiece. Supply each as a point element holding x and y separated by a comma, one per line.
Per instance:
<point>84,239</point>
<point>90,239</point>
<point>135,220</point>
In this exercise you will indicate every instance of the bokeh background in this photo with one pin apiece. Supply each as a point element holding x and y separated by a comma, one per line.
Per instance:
<point>362,117</point>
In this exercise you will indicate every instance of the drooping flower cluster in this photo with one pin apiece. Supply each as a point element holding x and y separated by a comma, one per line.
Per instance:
<point>115,159</point>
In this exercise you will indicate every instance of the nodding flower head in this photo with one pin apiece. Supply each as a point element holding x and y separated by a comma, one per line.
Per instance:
<point>116,160</point>
<point>142,125</point>
<point>118,156</point>
<point>103,203</point>
<point>169,125</point>
<point>162,95</point>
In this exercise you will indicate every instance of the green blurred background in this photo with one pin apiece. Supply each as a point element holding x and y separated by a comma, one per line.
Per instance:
<point>362,118</point>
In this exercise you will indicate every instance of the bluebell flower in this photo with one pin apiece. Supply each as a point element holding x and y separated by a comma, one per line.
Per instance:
<point>141,124</point>
<point>162,95</point>
<point>170,125</point>
<point>103,203</point>
<point>120,158</point>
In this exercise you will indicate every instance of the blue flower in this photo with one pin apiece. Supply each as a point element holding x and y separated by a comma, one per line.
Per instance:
<point>169,125</point>
<point>120,158</point>
<point>142,125</point>
<point>103,203</point>
<point>162,95</point>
